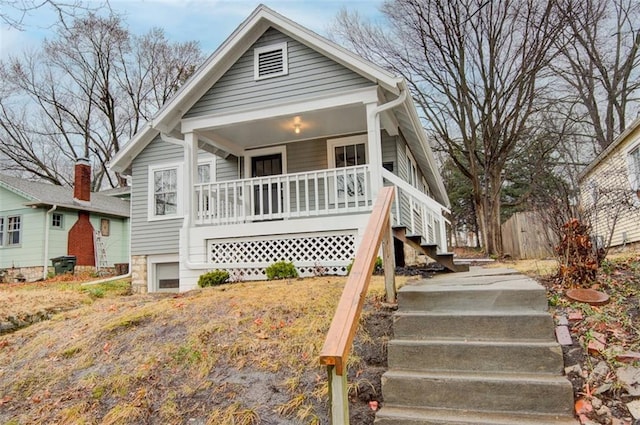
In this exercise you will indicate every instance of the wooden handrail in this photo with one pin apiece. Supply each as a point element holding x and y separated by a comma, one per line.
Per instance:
<point>337,345</point>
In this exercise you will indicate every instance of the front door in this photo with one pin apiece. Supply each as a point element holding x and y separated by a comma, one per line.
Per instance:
<point>262,166</point>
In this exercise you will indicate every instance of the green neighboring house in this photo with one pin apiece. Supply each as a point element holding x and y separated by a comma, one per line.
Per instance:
<point>35,220</point>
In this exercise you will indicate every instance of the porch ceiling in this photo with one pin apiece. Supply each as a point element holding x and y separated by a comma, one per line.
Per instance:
<point>281,129</point>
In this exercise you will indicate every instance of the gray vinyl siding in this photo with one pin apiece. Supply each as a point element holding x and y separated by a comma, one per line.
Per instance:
<point>307,156</point>
<point>403,172</point>
<point>304,156</point>
<point>152,237</point>
<point>227,168</point>
<point>310,74</point>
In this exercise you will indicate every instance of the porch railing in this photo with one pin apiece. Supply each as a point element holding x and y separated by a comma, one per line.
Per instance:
<point>339,340</point>
<point>307,194</point>
<point>419,213</point>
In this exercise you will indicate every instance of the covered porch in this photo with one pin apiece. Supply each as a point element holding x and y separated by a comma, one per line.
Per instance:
<point>308,173</point>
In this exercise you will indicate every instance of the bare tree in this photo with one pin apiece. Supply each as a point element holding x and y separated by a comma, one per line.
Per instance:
<point>476,69</point>
<point>14,12</point>
<point>84,94</point>
<point>600,65</point>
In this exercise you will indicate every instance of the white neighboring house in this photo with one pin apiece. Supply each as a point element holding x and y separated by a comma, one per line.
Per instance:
<point>275,149</point>
<point>610,190</point>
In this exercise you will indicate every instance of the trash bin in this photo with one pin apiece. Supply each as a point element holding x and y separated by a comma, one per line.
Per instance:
<point>64,264</point>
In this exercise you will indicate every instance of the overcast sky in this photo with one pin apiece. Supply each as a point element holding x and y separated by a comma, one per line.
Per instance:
<point>209,22</point>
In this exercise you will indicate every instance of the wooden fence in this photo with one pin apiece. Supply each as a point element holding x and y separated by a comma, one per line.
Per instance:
<point>525,236</point>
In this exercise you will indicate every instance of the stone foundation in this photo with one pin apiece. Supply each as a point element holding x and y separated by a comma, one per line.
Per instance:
<point>22,274</point>
<point>139,274</point>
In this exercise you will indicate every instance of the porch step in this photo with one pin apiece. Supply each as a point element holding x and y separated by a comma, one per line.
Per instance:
<point>476,356</point>
<point>474,325</point>
<point>446,259</point>
<point>392,415</point>
<point>474,348</point>
<point>501,392</point>
<point>497,291</point>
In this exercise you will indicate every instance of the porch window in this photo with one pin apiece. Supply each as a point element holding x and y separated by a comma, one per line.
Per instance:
<point>164,195</point>
<point>14,230</point>
<point>348,152</point>
<point>270,61</point>
<point>206,173</point>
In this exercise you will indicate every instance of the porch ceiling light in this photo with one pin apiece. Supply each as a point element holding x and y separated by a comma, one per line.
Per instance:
<point>297,123</point>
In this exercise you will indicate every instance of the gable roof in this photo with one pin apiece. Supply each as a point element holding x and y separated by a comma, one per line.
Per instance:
<point>45,194</point>
<point>249,31</point>
<point>225,56</point>
<point>612,147</point>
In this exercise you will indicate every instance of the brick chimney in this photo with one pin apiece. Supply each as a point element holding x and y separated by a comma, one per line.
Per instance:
<point>80,238</point>
<point>82,180</point>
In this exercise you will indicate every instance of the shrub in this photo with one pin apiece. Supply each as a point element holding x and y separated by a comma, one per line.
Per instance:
<point>377,268</point>
<point>214,278</point>
<point>281,270</point>
<point>579,260</point>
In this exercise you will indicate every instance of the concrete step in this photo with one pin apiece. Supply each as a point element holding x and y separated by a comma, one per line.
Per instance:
<point>392,415</point>
<point>477,356</point>
<point>474,325</point>
<point>497,392</point>
<point>474,292</point>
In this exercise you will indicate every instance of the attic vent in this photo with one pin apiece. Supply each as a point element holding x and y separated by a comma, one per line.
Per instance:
<point>270,61</point>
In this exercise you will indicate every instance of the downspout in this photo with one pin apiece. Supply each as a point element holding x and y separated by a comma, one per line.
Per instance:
<point>45,260</point>
<point>186,220</point>
<point>373,118</point>
<point>391,104</point>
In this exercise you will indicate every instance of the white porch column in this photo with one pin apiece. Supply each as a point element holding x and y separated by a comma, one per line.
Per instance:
<point>375,148</point>
<point>190,175</point>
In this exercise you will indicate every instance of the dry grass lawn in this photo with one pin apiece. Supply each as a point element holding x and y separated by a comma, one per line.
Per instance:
<point>245,353</point>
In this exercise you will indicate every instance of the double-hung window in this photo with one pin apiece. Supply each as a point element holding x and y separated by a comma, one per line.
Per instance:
<point>348,152</point>
<point>165,198</point>
<point>1,231</point>
<point>14,230</point>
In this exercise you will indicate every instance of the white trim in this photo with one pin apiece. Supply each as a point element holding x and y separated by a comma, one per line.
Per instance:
<point>366,95</point>
<point>252,153</point>
<point>282,47</point>
<point>151,213</point>
<point>152,261</point>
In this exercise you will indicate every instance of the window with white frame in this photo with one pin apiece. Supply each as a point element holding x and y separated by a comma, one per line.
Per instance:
<point>633,160</point>
<point>14,230</point>
<point>270,61</point>
<point>206,174</point>
<point>1,231</point>
<point>56,221</point>
<point>207,170</point>
<point>165,199</point>
<point>348,152</point>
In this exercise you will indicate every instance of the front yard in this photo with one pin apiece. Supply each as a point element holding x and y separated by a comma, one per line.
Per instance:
<point>245,353</point>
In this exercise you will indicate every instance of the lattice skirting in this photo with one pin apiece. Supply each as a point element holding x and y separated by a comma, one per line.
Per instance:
<point>313,254</point>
